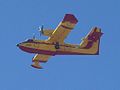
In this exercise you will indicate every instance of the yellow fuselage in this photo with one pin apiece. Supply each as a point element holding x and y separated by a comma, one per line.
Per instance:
<point>45,47</point>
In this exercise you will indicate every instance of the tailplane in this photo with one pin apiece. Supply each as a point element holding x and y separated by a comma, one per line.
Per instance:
<point>92,40</point>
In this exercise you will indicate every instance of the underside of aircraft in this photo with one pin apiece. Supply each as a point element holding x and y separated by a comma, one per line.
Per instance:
<point>55,44</point>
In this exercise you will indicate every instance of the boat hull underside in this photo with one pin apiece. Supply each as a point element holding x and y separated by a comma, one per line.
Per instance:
<point>48,52</point>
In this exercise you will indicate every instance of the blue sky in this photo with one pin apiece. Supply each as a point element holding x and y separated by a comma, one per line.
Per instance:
<point>19,19</point>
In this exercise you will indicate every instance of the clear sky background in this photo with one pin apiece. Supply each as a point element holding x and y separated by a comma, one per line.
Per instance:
<point>19,19</point>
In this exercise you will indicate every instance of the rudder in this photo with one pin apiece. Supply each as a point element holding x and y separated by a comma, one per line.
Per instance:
<point>92,40</point>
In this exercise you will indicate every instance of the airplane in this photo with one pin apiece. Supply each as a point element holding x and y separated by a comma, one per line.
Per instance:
<point>55,44</point>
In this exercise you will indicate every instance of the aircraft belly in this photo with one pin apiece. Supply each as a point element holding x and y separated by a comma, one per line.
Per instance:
<point>77,51</point>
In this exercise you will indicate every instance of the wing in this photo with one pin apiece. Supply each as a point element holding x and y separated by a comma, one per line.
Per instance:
<point>47,32</point>
<point>39,58</point>
<point>63,29</point>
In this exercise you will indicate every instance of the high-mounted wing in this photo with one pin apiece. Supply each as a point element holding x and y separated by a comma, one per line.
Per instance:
<point>47,32</point>
<point>39,58</point>
<point>63,29</point>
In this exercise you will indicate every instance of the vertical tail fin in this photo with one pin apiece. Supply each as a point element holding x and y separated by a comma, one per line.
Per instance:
<point>92,40</point>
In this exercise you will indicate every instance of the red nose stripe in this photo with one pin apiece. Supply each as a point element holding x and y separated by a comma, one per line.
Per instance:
<point>33,50</point>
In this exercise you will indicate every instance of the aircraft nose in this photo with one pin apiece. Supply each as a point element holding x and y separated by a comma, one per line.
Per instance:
<point>17,45</point>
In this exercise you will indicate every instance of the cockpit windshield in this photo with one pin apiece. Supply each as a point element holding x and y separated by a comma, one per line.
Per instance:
<point>29,40</point>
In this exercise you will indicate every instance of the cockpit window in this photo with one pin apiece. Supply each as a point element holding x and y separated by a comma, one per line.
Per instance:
<point>30,40</point>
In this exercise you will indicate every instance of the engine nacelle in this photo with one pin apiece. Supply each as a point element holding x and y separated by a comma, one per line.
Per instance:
<point>47,32</point>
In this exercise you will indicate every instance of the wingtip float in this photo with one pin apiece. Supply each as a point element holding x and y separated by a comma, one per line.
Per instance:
<point>55,44</point>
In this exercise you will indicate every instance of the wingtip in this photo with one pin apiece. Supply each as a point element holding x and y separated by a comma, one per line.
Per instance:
<point>70,18</point>
<point>38,67</point>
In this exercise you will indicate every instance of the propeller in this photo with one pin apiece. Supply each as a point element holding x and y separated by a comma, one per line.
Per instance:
<point>41,30</point>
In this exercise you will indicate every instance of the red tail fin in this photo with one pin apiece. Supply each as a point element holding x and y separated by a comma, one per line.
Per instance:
<point>91,38</point>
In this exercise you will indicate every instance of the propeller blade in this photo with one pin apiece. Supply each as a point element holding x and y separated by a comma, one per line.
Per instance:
<point>41,30</point>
